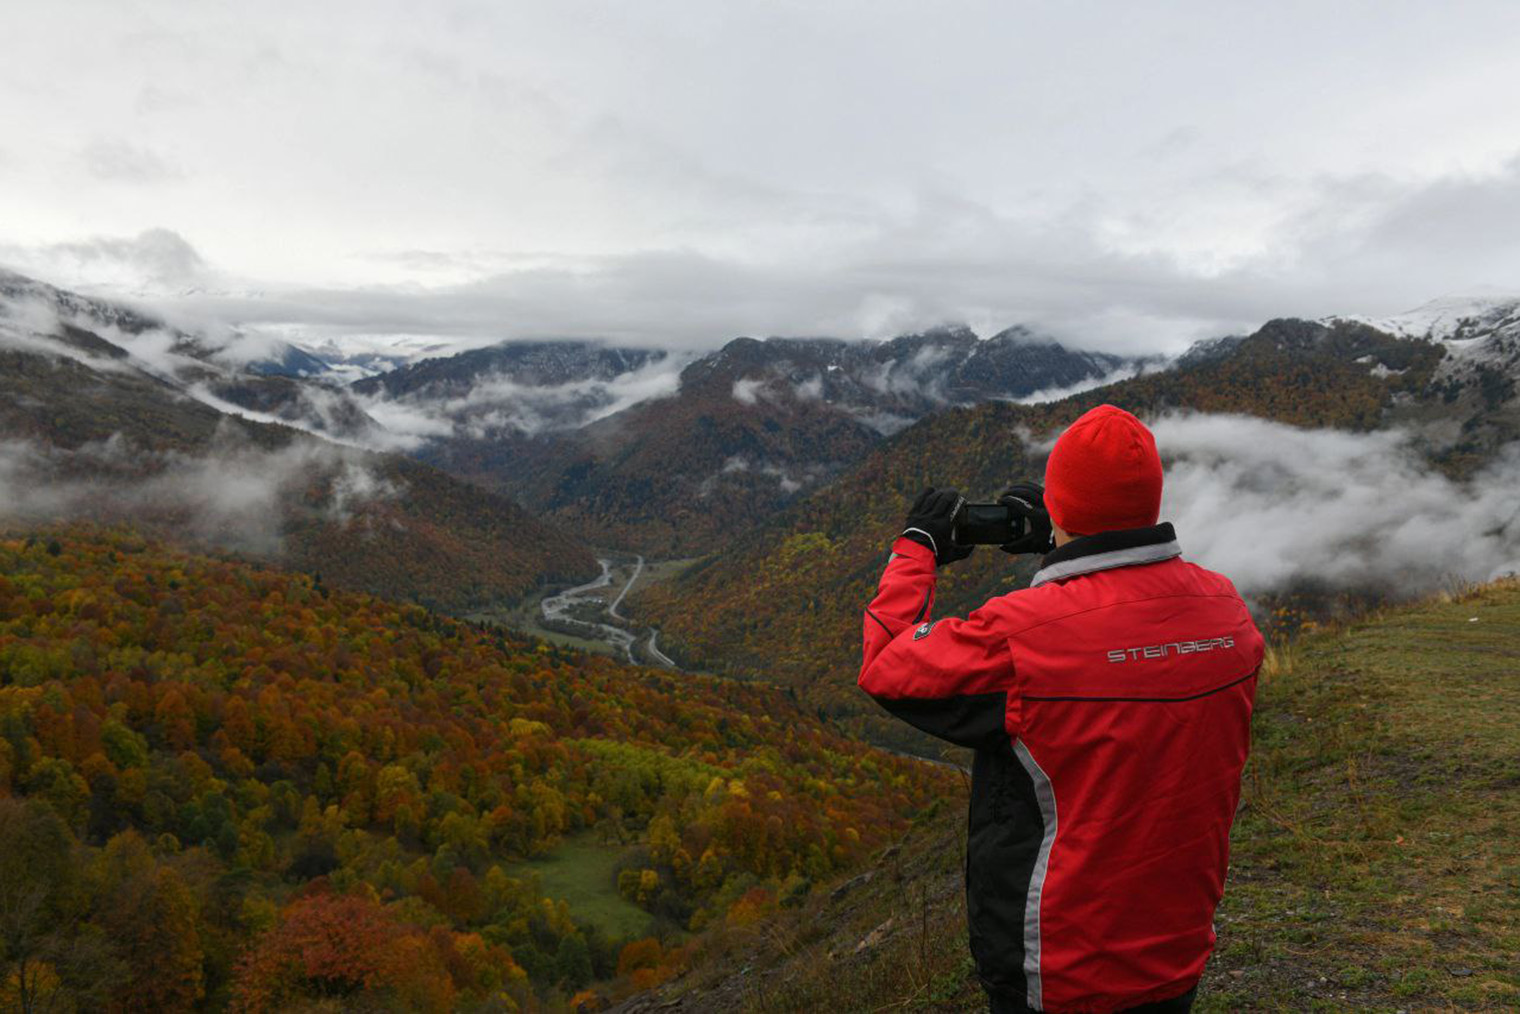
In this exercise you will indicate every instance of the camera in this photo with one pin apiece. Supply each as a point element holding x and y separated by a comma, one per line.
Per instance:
<point>988,524</point>
<point>1019,515</point>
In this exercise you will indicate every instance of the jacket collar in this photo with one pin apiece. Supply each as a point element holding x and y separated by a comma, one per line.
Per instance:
<point>1106,550</point>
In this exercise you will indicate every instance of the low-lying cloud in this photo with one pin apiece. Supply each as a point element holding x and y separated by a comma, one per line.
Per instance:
<point>1049,394</point>
<point>738,468</point>
<point>234,496</point>
<point>1272,506</point>
<point>25,326</point>
<point>919,376</point>
<point>500,404</point>
<point>747,390</point>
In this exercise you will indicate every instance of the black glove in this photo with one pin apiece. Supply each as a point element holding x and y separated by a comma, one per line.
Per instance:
<point>931,520</point>
<point>1028,502</point>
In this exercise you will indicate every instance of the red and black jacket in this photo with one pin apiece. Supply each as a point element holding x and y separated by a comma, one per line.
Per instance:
<point>1109,705</point>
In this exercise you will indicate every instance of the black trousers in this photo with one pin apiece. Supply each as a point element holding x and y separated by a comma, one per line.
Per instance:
<point>1003,1004</point>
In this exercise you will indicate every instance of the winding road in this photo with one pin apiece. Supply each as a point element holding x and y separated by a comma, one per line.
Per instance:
<point>659,656</point>
<point>638,568</point>
<point>560,608</point>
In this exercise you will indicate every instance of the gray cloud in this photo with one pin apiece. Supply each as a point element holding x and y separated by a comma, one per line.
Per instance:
<point>124,162</point>
<point>1351,246</point>
<point>156,262</point>
<point>1363,245</point>
<point>678,173</point>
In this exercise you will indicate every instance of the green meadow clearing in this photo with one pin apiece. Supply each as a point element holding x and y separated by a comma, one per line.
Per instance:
<point>582,871</point>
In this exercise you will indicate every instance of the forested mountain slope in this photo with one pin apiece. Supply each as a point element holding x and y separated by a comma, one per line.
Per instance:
<point>228,786</point>
<point>90,429</point>
<point>679,476</point>
<point>786,601</point>
<point>1372,864</point>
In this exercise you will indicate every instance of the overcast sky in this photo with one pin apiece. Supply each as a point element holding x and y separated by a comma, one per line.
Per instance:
<point>1127,175</point>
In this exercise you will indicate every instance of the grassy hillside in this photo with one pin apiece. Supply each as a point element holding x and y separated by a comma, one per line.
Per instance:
<point>1375,863</point>
<point>785,602</point>
<point>226,766</point>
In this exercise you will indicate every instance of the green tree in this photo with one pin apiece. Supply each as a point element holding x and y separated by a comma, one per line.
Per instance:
<point>150,913</point>
<point>572,961</point>
<point>47,960</point>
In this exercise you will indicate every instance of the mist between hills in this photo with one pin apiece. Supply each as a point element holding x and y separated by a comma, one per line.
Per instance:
<point>235,495</point>
<point>1272,506</point>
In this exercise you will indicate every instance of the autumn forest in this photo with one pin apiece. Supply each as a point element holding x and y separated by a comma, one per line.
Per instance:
<point>232,787</point>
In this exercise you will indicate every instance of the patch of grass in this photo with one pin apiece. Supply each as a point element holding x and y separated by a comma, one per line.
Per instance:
<point>1375,860</point>
<point>582,871</point>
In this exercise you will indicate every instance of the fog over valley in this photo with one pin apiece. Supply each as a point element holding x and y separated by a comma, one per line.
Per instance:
<point>236,496</point>
<point>1273,505</point>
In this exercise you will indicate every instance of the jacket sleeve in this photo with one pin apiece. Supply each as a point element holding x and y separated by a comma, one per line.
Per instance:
<point>948,677</point>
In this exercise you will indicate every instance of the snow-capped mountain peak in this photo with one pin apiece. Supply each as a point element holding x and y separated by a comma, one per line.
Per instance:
<point>1450,318</point>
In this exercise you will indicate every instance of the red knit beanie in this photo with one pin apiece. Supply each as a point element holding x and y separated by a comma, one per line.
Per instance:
<point>1104,474</point>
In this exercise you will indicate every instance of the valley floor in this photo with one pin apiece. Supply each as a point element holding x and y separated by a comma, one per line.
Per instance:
<point>1376,860</point>
<point>592,616</point>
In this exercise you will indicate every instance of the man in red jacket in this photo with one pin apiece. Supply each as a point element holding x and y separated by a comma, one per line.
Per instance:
<point>1109,705</point>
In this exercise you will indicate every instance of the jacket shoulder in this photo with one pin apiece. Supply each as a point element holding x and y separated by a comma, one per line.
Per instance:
<point>1215,582</point>
<point>1056,599</point>
<point>1028,607</point>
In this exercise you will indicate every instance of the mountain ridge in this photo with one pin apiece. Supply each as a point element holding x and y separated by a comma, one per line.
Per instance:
<point>672,454</point>
<point>88,429</point>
